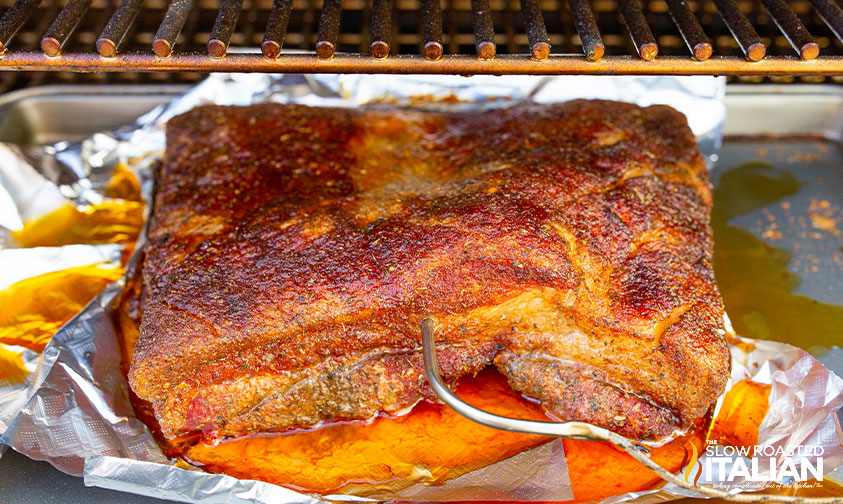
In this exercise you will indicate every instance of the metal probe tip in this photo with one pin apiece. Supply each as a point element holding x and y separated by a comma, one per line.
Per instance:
<point>595,52</point>
<point>756,52</point>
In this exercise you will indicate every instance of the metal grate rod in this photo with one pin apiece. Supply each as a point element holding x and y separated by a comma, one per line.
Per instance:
<point>792,28</point>
<point>381,28</point>
<point>743,32</point>
<point>329,28</point>
<point>484,31</point>
<point>832,14</point>
<point>276,28</point>
<point>556,64</point>
<point>432,31</point>
<point>592,43</point>
<point>170,27</point>
<point>65,23</point>
<point>536,30</point>
<point>690,29</point>
<point>14,18</point>
<point>115,31</point>
<point>639,30</point>
<point>224,26</point>
<point>379,39</point>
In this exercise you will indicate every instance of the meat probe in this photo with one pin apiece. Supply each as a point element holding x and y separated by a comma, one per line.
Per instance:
<point>579,431</point>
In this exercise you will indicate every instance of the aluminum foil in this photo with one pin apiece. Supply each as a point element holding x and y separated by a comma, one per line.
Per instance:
<point>74,409</point>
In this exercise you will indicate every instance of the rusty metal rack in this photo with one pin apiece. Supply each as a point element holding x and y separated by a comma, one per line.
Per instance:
<point>711,37</point>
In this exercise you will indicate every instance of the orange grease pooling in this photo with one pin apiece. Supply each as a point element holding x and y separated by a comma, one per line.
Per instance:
<point>430,444</point>
<point>742,412</point>
<point>32,310</point>
<point>599,470</point>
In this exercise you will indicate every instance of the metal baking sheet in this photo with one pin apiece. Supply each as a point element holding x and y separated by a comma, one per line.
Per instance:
<point>49,114</point>
<point>782,142</point>
<point>778,215</point>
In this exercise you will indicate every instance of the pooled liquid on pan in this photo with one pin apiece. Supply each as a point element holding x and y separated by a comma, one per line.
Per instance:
<point>753,277</point>
<point>429,445</point>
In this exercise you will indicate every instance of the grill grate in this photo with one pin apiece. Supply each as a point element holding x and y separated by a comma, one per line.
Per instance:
<point>181,40</point>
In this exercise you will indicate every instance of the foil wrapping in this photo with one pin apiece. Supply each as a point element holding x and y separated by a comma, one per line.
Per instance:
<point>73,408</point>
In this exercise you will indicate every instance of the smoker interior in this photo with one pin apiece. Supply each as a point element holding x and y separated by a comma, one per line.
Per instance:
<point>758,114</point>
<point>773,133</point>
<point>799,40</point>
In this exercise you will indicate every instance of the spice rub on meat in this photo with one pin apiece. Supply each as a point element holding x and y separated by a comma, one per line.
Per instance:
<point>293,252</point>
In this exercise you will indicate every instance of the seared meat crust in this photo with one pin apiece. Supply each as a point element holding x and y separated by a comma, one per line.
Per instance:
<point>293,252</point>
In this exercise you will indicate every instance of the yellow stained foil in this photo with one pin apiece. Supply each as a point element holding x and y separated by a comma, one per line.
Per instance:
<point>32,310</point>
<point>124,184</point>
<point>11,366</point>
<point>111,221</point>
<point>118,219</point>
